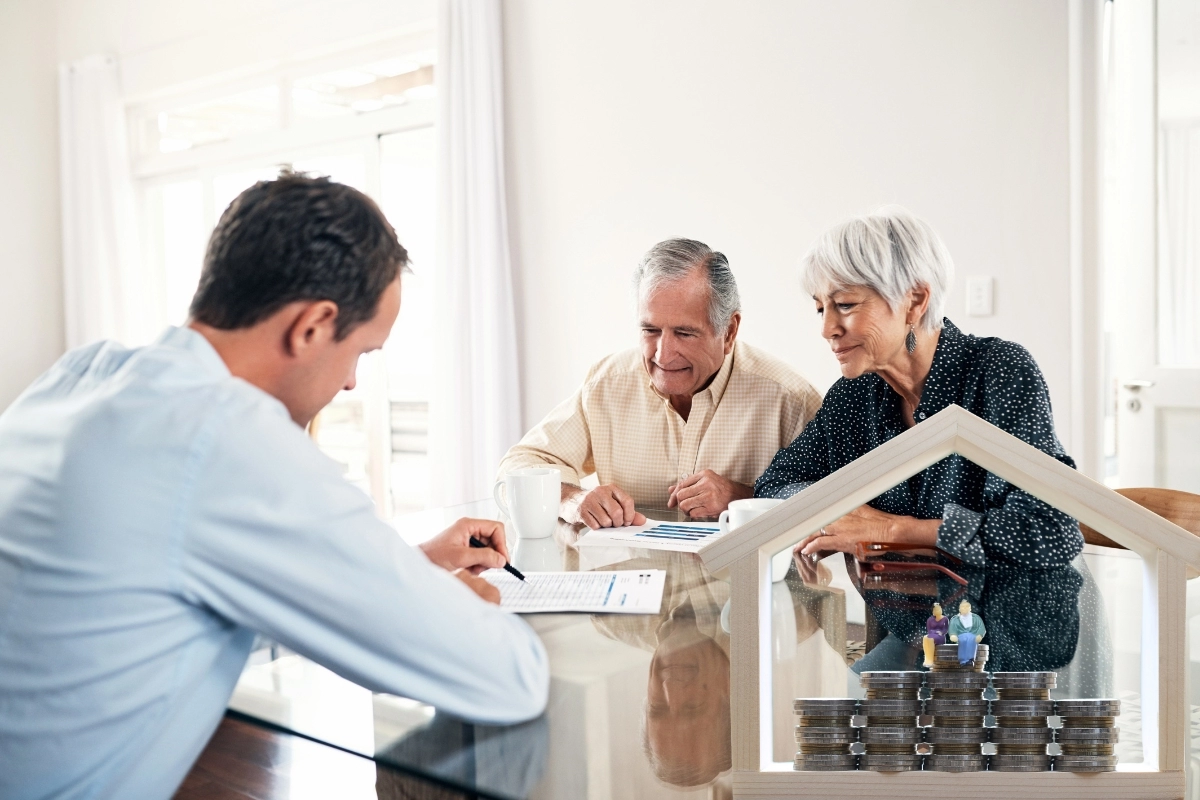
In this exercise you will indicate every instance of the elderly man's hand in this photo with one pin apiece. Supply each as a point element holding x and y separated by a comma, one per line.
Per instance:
<point>706,494</point>
<point>606,506</point>
<point>451,549</point>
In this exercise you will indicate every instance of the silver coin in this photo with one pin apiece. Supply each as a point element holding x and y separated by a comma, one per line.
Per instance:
<point>956,735</point>
<point>1090,735</point>
<point>825,706</point>
<point>940,707</point>
<point>892,679</point>
<point>1022,735</point>
<point>1011,763</point>
<point>825,735</point>
<point>1022,708</point>
<point>890,735</point>
<point>823,761</point>
<point>890,763</point>
<point>1024,680</point>
<point>890,708</point>
<point>956,763</point>
<point>956,680</point>
<point>1088,708</point>
<point>1085,763</point>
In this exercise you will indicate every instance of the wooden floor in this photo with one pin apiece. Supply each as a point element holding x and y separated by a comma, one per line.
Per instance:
<point>245,762</point>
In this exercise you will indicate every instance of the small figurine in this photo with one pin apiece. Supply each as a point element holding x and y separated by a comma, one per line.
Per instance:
<point>966,629</point>
<point>935,633</point>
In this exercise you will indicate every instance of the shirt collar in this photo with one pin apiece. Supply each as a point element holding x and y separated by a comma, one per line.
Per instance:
<point>943,385</point>
<point>192,341</point>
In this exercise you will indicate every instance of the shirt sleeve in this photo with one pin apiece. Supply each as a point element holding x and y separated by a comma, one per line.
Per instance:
<point>1013,525</point>
<point>799,465</point>
<point>275,540</point>
<point>561,440</point>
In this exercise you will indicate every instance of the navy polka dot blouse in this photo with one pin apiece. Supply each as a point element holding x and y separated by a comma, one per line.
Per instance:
<point>984,518</point>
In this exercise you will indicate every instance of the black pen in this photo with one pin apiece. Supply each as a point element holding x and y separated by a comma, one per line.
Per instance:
<point>509,568</point>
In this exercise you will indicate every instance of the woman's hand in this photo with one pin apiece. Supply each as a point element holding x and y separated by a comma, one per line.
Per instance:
<point>867,524</point>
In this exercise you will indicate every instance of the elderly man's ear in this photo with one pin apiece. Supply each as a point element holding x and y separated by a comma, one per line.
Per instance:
<point>731,332</point>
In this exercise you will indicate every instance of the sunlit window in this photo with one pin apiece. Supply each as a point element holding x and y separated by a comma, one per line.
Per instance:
<point>368,125</point>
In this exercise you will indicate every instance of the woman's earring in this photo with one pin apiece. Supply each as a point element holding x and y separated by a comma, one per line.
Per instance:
<point>910,341</point>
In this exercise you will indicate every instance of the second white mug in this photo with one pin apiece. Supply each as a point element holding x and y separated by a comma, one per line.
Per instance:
<point>533,496</point>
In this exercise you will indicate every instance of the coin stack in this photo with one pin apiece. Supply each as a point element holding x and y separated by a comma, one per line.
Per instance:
<point>1088,735</point>
<point>945,658</point>
<point>1021,707</point>
<point>958,708</point>
<point>892,707</point>
<point>824,733</point>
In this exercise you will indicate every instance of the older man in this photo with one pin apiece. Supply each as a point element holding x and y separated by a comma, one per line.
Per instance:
<point>687,421</point>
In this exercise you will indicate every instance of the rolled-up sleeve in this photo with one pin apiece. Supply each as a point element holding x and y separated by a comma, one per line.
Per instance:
<point>560,440</point>
<point>1009,523</point>
<point>273,539</point>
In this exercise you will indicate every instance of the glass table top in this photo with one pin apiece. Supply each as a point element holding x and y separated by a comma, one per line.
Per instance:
<point>639,705</point>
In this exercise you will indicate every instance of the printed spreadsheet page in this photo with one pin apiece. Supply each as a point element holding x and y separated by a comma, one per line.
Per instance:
<point>635,591</point>
<point>681,537</point>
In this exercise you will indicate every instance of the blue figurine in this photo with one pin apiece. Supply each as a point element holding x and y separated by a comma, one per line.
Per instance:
<point>966,629</point>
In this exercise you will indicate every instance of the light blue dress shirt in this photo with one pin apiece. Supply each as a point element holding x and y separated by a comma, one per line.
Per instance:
<point>156,512</point>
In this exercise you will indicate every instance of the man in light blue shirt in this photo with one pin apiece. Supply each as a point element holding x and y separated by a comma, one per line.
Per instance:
<point>161,505</point>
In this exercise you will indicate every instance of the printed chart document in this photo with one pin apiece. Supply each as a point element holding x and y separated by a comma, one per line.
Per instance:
<point>683,537</point>
<point>634,591</point>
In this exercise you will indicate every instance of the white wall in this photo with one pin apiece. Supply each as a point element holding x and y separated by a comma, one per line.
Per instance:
<point>754,125</point>
<point>31,324</point>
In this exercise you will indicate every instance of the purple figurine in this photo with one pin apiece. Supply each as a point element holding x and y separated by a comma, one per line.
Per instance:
<point>936,629</point>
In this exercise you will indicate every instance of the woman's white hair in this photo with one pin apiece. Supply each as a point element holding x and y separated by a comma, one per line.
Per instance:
<point>890,251</point>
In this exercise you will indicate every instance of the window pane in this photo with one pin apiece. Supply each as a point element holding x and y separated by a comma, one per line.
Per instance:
<point>363,89</point>
<point>183,237</point>
<point>408,199</point>
<point>213,121</point>
<point>347,168</point>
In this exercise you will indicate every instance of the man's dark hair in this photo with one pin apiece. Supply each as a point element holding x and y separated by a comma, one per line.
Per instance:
<point>297,238</point>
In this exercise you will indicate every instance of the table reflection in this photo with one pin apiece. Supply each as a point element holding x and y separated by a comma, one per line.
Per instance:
<point>640,705</point>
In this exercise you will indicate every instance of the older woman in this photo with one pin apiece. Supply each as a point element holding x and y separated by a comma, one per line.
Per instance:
<point>880,283</point>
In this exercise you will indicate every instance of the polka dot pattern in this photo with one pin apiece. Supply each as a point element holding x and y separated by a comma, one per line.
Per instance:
<point>984,518</point>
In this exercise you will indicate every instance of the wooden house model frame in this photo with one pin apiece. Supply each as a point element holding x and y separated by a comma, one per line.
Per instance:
<point>1170,555</point>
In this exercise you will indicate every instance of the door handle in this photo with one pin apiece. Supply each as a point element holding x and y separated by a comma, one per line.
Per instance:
<point>1137,386</point>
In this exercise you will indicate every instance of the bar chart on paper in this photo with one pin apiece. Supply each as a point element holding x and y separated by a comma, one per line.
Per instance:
<point>684,537</point>
<point>615,592</point>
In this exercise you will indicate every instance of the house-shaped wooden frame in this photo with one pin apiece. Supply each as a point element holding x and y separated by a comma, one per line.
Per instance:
<point>1169,555</point>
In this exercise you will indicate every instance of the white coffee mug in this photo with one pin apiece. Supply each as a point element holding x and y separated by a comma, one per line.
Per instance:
<point>533,497</point>
<point>742,511</point>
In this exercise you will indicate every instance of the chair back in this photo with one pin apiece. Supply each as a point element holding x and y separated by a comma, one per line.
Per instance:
<point>1181,508</point>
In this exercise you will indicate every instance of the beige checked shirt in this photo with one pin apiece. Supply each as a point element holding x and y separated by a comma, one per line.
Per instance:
<point>618,427</point>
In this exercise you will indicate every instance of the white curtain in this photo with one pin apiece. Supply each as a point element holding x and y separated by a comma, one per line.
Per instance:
<point>104,291</point>
<point>475,409</point>
<point>1179,244</point>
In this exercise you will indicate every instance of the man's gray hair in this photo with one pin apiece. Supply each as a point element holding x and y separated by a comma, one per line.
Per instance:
<point>675,259</point>
<point>890,251</point>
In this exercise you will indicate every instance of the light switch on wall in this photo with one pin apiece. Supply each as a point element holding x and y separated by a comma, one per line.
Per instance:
<point>979,296</point>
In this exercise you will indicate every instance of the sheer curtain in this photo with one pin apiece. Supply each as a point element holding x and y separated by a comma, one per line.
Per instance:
<point>105,296</point>
<point>475,409</point>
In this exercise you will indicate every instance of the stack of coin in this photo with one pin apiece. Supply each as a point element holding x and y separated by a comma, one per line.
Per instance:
<point>1021,709</point>
<point>824,733</point>
<point>945,657</point>
<point>958,708</point>
<point>1088,735</point>
<point>892,707</point>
